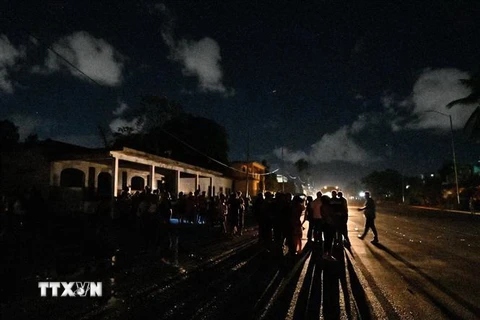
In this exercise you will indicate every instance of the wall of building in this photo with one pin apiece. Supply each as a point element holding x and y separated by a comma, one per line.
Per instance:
<point>222,185</point>
<point>186,185</point>
<point>58,167</point>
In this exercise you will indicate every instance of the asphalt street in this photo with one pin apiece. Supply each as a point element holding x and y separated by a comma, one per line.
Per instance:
<point>425,266</point>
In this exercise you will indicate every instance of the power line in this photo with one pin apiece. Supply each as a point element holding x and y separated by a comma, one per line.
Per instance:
<point>213,159</point>
<point>56,53</point>
<point>95,82</point>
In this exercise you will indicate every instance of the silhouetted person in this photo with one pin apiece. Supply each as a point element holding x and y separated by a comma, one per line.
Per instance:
<point>309,217</point>
<point>337,207</point>
<point>257,213</point>
<point>344,228</point>
<point>369,213</point>
<point>317,221</point>
<point>471,204</point>
<point>328,227</point>
<point>267,217</point>
<point>241,212</point>
<point>297,210</point>
<point>234,207</point>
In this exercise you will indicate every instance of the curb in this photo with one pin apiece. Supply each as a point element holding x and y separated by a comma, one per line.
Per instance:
<point>447,210</point>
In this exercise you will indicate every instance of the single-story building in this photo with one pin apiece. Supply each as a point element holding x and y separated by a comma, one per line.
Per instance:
<point>76,174</point>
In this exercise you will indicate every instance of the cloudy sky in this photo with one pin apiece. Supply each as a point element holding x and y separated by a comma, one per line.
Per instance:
<point>349,86</point>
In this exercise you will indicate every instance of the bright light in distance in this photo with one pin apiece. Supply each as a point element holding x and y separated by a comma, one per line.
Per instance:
<point>361,194</point>
<point>408,186</point>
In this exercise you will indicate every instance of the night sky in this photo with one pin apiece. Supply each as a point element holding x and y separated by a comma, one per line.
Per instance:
<point>342,84</point>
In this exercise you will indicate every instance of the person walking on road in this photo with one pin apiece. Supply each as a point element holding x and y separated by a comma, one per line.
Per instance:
<point>369,213</point>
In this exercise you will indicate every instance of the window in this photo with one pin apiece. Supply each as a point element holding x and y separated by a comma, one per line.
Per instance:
<point>104,184</point>
<point>71,178</point>
<point>138,183</point>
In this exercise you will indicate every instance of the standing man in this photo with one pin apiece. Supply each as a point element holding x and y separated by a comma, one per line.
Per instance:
<point>241,212</point>
<point>336,205</point>
<point>471,204</point>
<point>369,213</point>
<point>344,228</point>
<point>316,220</point>
<point>308,217</point>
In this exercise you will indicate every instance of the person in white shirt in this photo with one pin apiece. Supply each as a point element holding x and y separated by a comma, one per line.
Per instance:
<point>317,218</point>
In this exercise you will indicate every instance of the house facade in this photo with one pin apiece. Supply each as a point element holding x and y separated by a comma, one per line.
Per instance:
<point>74,175</point>
<point>248,177</point>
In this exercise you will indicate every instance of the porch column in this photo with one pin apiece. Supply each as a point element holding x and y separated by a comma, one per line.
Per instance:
<point>115,177</point>
<point>197,181</point>
<point>177,184</point>
<point>211,187</point>
<point>153,181</point>
<point>114,187</point>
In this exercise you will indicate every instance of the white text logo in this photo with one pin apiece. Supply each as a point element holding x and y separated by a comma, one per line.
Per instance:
<point>71,289</point>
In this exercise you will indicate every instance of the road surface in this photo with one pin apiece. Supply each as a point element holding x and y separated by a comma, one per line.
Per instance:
<point>423,268</point>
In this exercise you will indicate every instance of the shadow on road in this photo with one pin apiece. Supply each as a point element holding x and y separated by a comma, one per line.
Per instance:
<point>415,284</point>
<point>312,287</point>
<point>223,278</point>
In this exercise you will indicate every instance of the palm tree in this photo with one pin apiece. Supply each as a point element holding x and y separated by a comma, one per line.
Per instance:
<point>472,127</point>
<point>302,166</point>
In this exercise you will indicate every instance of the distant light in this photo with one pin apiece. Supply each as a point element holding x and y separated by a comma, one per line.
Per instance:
<point>432,175</point>
<point>407,186</point>
<point>361,194</point>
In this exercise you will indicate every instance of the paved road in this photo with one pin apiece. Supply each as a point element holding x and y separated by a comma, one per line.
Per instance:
<point>217,278</point>
<point>426,265</point>
<point>423,268</point>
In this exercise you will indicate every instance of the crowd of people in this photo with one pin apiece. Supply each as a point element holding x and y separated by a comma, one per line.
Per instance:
<point>144,221</point>
<point>281,218</point>
<point>140,221</point>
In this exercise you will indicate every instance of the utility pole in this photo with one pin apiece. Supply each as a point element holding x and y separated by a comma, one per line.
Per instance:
<point>283,168</point>
<point>454,160</point>
<point>453,150</point>
<point>284,140</point>
<point>248,162</point>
